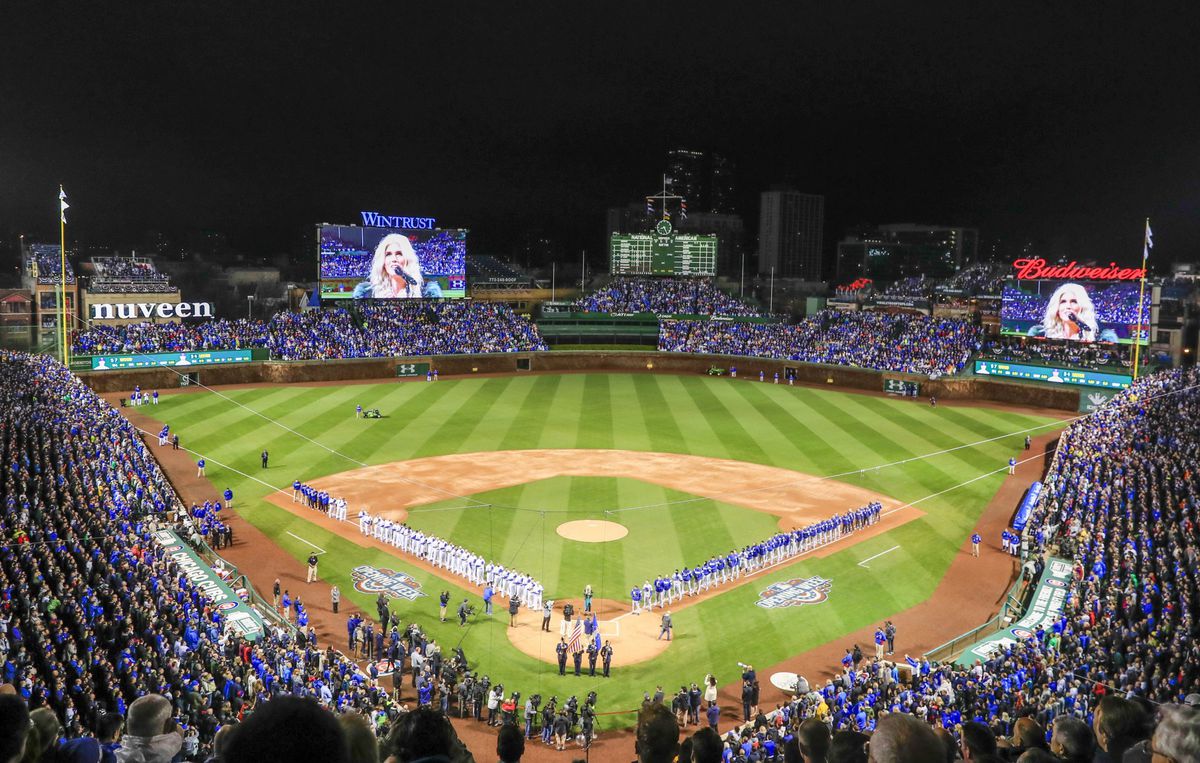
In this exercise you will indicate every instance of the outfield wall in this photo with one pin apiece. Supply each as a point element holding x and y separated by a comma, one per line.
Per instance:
<point>294,372</point>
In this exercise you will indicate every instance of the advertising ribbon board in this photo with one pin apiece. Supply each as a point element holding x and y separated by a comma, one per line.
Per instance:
<point>1044,610</point>
<point>238,615</point>
<point>175,359</point>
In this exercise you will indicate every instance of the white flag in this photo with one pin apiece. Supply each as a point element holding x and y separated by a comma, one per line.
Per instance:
<point>62,204</point>
<point>1149,242</point>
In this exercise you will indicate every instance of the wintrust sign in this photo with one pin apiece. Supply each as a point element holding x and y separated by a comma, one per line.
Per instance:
<point>130,310</point>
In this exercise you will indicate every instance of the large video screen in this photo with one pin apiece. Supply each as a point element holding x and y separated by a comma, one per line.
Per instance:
<point>1079,311</point>
<point>391,263</point>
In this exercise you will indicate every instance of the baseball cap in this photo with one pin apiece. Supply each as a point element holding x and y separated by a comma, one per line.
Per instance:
<point>1192,700</point>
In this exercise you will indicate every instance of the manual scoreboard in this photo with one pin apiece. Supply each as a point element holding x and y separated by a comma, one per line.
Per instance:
<point>662,253</point>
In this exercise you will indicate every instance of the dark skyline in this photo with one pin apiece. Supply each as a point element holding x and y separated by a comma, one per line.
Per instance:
<point>1060,125</point>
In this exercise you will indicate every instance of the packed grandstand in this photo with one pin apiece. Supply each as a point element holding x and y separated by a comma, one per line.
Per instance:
<point>95,614</point>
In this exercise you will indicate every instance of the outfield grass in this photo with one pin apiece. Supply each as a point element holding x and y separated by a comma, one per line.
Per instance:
<point>814,431</point>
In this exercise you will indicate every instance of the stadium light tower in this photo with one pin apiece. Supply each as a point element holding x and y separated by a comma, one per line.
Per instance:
<point>249,306</point>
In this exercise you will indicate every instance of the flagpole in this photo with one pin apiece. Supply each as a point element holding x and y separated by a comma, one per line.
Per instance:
<point>1137,337</point>
<point>62,277</point>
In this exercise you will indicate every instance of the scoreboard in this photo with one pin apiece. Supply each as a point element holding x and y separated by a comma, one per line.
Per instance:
<point>662,253</point>
<point>1050,374</point>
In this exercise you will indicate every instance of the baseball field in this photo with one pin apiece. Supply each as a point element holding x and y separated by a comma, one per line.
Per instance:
<point>688,466</point>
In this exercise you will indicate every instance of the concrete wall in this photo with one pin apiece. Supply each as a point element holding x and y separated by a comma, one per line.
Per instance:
<point>295,372</point>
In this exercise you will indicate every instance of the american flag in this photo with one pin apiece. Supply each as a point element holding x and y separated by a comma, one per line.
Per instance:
<point>575,640</point>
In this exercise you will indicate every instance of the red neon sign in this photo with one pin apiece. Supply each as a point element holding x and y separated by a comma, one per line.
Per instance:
<point>861,283</point>
<point>1031,268</point>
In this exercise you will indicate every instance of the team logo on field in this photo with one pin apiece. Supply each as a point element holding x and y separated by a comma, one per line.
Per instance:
<point>795,592</point>
<point>384,668</point>
<point>394,585</point>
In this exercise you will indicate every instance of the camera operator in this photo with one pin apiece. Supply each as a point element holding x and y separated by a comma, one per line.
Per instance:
<point>464,610</point>
<point>531,712</point>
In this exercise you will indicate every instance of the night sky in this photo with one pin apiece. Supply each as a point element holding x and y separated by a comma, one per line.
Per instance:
<point>1063,125</point>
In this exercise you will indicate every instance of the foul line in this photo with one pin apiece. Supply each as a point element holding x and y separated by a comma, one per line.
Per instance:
<point>863,563</point>
<point>309,542</point>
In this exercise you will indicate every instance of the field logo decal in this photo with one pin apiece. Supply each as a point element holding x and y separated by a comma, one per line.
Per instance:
<point>394,585</point>
<point>795,592</point>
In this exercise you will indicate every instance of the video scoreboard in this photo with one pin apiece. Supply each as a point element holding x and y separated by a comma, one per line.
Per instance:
<point>662,253</point>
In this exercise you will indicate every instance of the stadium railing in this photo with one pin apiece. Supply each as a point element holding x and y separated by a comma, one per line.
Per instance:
<point>1012,608</point>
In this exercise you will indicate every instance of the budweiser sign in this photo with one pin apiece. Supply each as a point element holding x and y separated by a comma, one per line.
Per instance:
<point>1035,268</point>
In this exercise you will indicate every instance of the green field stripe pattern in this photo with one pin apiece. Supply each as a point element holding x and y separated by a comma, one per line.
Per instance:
<point>807,430</point>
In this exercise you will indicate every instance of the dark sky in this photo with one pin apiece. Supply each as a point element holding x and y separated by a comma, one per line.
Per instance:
<point>1063,124</point>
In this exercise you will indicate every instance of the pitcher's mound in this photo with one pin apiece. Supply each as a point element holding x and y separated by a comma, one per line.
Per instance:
<point>592,530</point>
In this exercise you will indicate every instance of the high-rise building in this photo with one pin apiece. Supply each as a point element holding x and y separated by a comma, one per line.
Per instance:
<point>903,250</point>
<point>791,227</point>
<point>704,179</point>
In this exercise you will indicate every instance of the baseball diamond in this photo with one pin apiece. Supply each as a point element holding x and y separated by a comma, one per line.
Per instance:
<point>465,460</point>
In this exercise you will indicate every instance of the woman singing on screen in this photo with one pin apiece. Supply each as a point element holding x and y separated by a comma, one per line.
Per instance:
<point>1071,315</point>
<point>396,272</point>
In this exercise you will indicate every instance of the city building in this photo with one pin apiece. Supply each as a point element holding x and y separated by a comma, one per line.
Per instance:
<point>791,227</point>
<point>901,250</point>
<point>704,179</point>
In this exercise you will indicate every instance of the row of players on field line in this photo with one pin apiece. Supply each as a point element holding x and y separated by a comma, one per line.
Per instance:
<point>665,589</point>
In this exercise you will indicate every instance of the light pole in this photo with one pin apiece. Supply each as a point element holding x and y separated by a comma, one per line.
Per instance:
<point>249,306</point>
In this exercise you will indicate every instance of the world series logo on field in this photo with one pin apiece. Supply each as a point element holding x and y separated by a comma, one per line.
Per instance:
<point>394,585</point>
<point>795,592</point>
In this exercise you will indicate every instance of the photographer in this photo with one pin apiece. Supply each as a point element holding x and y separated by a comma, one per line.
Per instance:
<point>531,712</point>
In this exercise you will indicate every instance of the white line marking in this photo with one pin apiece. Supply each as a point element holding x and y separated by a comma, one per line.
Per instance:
<point>863,563</point>
<point>302,540</point>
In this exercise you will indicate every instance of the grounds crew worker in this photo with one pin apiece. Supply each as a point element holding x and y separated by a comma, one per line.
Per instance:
<point>312,567</point>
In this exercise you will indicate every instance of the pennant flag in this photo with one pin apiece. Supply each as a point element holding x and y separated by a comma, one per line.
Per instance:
<point>1149,242</point>
<point>63,206</point>
<point>649,205</point>
<point>683,209</point>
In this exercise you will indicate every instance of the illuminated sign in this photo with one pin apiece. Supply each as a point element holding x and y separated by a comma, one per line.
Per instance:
<point>861,283</point>
<point>176,359</point>
<point>1074,376</point>
<point>107,312</point>
<point>1034,268</point>
<point>376,220</point>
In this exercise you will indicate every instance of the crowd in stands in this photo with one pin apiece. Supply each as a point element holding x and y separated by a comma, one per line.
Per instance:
<point>115,275</point>
<point>48,261</point>
<point>1089,355</point>
<point>402,328</point>
<point>916,287</point>
<point>678,296</point>
<point>911,344</point>
<point>980,278</point>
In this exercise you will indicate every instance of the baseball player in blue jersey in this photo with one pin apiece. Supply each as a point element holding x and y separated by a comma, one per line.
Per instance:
<point>635,598</point>
<point>975,541</point>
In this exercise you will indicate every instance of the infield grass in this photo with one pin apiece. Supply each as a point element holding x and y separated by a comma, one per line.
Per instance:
<point>812,431</point>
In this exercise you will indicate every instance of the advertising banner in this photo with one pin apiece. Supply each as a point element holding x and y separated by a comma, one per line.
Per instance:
<point>1076,376</point>
<point>1044,610</point>
<point>238,615</point>
<point>175,359</point>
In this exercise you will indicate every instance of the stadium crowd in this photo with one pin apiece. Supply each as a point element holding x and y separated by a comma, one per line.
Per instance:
<point>370,331</point>
<point>117,275</point>
<point>911,344</point>
<point>980,278</point>
<point>46,261</point>
<point>916,287</point>
<point>678,296</point>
